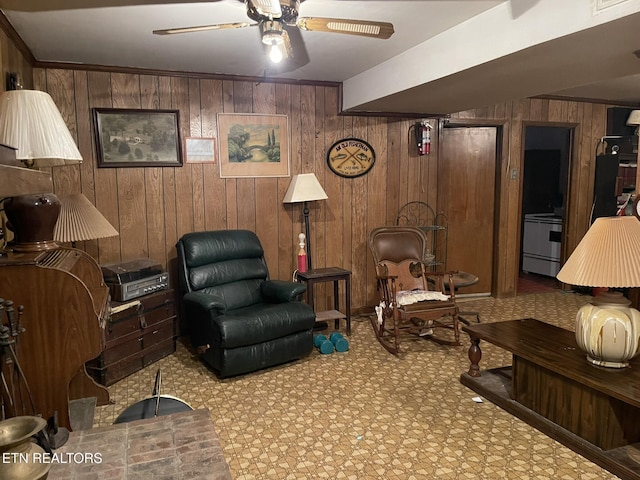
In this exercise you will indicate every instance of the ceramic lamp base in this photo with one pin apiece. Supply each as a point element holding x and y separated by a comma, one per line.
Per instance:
<point>608,330</point>
<point>32,218</point>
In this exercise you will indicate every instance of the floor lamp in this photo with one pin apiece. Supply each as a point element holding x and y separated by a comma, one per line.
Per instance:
<point>305,188</point>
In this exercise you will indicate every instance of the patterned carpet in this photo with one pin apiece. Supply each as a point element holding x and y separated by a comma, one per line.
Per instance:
<point>366,414</point>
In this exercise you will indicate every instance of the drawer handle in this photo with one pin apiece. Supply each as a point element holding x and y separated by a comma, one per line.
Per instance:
<point>140,339</point>
<point>154,332</point>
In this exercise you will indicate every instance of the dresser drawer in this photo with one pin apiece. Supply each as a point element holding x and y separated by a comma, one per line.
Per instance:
<point>152,309</point>
<point>110,374</point>
<point>132,344</point>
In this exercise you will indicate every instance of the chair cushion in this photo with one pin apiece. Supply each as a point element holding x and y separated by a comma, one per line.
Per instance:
<point>214,274</point>
<point>237,294</point>
<point>227,264</point>
<point>261,323</point>
<point>202,248</point>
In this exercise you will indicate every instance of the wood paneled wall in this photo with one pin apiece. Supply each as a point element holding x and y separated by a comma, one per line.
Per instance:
<point>153,207</point>
<point>13,61</point>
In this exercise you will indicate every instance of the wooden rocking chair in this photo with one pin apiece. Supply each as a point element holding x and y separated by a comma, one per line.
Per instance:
<point>411,299</point>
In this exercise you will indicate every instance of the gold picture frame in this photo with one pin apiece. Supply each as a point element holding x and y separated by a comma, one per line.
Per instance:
<point>253,145</point>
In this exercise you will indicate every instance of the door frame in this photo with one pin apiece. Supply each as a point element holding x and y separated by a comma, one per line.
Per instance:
<point>568,220</point>
<point>501,161</point>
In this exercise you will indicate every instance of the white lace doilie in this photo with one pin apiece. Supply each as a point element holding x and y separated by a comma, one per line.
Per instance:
<point>405,297</point>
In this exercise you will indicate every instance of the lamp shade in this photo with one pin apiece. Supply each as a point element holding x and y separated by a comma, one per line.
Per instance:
<point>634,118</point>
<point>607,256</point>
<point>31,123</point>
<point>304,187</point>
<point>79,220</point>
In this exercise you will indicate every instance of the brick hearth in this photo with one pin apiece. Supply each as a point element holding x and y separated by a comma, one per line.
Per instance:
<point>178,446</point>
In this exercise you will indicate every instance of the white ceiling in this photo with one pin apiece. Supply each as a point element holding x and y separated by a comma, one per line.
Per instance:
<point>445,55</point>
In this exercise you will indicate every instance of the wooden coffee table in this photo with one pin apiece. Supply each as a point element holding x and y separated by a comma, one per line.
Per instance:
<point>593,410</point>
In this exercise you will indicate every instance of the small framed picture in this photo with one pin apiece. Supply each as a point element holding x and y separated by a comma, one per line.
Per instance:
<point>200,150</point>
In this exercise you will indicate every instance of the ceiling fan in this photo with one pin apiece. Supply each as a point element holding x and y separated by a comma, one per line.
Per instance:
<point>274,17</point>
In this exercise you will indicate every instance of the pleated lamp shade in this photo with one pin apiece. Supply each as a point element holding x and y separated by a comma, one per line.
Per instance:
<point>607,256</point>
<point>31,122</point>
<point>634,118</point>
<point>79,220</point>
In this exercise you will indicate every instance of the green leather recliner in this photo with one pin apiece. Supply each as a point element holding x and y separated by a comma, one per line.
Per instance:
<point>237,318</point>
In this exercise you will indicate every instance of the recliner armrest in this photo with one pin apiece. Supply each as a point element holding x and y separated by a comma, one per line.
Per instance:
<point>281,291</point>
<point>204,302</point>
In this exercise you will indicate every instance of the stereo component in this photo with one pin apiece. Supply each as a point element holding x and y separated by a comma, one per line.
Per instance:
<point>134,279</point>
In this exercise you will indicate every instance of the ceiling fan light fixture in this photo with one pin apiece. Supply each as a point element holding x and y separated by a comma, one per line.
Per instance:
<point>267,8</point>
<point>272,39</point>
<point>275,53</point>
<point>273,36</point>
<point>271,31</point>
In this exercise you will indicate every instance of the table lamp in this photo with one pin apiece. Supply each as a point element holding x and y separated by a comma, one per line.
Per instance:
<point>607,329</point>
<point>634,120</point>
<point>305,188</point>
<point>79,220</point>
<point>32,124</point>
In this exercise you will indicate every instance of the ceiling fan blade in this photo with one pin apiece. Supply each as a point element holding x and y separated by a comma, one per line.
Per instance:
<point>362,28</point>
<point>266,8</point>
<point>287,44</point>
<point>299,52</point>
<point>203,28</point>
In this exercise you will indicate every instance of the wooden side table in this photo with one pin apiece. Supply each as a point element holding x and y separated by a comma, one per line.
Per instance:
<point>335,275</point>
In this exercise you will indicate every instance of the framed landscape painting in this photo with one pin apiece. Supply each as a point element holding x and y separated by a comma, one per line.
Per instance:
<point>253,145</point>
<point>137,138</point>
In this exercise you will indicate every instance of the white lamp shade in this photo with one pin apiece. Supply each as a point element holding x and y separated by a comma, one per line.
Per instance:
<point>634,118</point>
<point>607,256</point>
<point>79,220</point>
<point>31,123</point>
<point>304,188</point>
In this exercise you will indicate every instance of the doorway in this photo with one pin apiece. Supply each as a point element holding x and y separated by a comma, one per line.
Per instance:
<point>545,181</point>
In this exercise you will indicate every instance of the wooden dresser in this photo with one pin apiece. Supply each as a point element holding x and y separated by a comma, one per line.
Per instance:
<point>136,334</point>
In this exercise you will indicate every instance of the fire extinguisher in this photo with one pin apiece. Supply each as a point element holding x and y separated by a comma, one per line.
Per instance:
<point>302,254</point>
<point>423,137</point>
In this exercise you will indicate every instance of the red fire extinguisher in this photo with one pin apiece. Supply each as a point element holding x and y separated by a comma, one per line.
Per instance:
<point>423,137</point>
<point>302,254</point>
